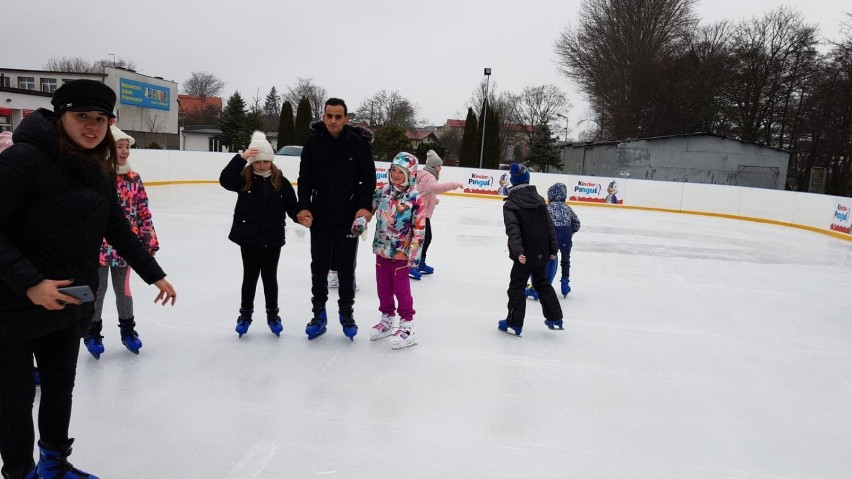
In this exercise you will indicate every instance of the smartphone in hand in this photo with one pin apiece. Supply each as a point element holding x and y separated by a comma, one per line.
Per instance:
<point>83,293</point>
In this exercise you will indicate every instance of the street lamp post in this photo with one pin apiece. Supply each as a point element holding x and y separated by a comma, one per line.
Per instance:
<point>487,73</point>
<point>113,59</point>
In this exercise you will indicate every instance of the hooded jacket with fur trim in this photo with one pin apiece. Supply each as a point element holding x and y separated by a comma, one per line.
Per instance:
<point>400,222</point>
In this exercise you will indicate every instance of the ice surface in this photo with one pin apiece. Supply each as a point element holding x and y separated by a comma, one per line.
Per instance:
<point>695,347</point>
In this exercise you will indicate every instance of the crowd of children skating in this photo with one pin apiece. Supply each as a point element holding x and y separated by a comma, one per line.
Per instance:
<point>337,182</point>
<point>539,241</point>
<point>538,233</point>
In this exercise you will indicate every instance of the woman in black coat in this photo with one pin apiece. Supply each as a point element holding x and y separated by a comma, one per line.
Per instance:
<point>57,202</point>
<point>264,196</point>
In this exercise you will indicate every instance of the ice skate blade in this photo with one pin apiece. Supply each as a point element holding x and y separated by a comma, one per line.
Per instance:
<point>315,336</point>
<point>509,332</point>
<point>382,336</point>
<point>397,347</point>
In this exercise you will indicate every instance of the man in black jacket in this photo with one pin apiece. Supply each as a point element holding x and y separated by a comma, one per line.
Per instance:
<point>337,179</point>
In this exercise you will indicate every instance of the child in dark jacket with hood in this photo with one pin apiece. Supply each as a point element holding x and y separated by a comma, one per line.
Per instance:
<point>532,243</point>
<point>566,223</point>
<point>264,196</point>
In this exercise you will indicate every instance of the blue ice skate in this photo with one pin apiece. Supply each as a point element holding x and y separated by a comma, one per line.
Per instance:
<point>244,321</point>
<point>317,326</point>
<point>53,463</point>
<point>414,273</point>
<point>94,341</point>
<point>553,323</point>
<point>350,329</point>
<point>274,322</point>
<point>566,287</point>
<point>425,268</point>
<point>530,292</point>
<point>503,325</point>
<point>129,336</point>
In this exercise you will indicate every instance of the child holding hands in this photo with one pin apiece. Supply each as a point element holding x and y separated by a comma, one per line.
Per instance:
<point>264,197</point>
<point>399,236</point>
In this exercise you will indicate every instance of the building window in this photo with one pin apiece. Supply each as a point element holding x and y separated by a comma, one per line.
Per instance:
<point>48,85</point>
<point>5,123</point>
<point>5,81</point>
<point>214,144</point>
<point>26,83</point>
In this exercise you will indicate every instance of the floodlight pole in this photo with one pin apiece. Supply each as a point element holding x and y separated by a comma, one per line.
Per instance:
<point>484,114</point>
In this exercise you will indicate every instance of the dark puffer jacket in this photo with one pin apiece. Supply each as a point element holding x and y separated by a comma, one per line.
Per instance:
<point>54,214</point>
<point>259,213</point>
<point>528,225</point>
<point>337,176</point>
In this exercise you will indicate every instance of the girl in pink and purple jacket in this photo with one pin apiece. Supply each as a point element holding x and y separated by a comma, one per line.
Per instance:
<point>429,188</point>
<point>398,209</point>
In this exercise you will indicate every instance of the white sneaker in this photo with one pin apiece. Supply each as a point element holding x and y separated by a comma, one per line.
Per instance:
<point>403,337</point>
<point>383,329</point>
<point>332,279</point>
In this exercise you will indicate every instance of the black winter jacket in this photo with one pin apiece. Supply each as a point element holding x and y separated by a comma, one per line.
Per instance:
<point>337,176</point>
<point>54,214</point>
<point>259,213</point>
<point>528,225</point>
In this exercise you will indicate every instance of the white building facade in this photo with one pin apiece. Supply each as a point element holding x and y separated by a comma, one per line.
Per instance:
<point>146,106</point>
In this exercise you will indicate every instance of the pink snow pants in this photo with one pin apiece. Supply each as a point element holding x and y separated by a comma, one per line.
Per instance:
<point>392,280</point>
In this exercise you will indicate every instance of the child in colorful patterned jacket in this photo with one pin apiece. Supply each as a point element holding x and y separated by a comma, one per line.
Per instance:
<point>400,225</point>
<point>134,200</point>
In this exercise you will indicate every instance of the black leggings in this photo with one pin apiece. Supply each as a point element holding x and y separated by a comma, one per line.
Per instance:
<point>56,357</point>
<point>262,262</point>
<point>427,240</point>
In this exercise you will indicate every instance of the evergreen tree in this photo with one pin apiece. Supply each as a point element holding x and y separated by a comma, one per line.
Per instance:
<point>491,149</point>
<point>469,154</point>
<point>543,151</point>
<point>423,148</point>
<point>286,127</point>
<point>252,122</point>
<point>271,110</point>
<point>303,122</point>
<point>231,120</point>
<point>390,140</point>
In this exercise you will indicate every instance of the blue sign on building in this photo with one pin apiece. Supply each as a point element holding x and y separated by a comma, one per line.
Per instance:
<point>144,95</point>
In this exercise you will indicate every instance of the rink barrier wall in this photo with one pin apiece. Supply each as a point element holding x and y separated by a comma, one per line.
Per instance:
<point>824,214</point>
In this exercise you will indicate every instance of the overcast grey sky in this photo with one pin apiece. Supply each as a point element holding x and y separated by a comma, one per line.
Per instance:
<point>433,53</point>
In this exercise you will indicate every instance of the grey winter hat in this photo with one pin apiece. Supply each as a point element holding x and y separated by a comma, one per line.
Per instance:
<point>432,159</point>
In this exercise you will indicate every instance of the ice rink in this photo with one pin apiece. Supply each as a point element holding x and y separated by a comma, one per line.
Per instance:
<point>694,347</point>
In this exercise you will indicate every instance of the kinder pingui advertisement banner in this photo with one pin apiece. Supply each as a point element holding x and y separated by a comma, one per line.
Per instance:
<point>381,176</point>
<point>593,191</point>
<point>841,221</point>
<point>487,183</point>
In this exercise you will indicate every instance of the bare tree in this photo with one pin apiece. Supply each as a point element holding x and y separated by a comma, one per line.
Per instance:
<point>388,108</point>
<point>80,65</point>
<point>539,105</point>
<point>772,55</point>
<point>615,54</point>
<point>306,88</point>
<point>202,84</point>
